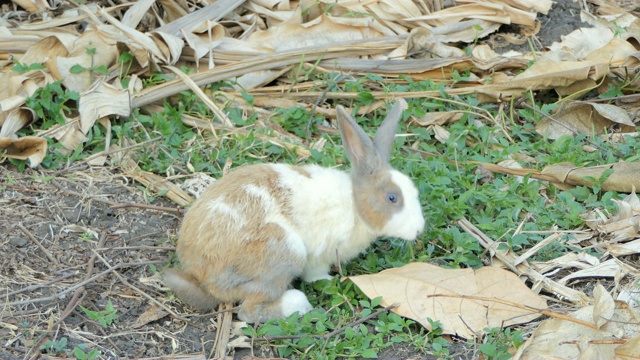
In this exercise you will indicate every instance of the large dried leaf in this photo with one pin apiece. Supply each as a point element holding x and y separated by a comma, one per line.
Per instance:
<point>623,176</point>
<point>15,120</point>
<point>425,291</point>
<point>102,100</point>
<point>89,52</point>
<point>629,350</point>
<point>579,117</point>
<point>161,46</point>
<point>604,306</point>
<point>423,42</point>
<point>558,338</point>
<point>502,256</point>
<point>30,148</point>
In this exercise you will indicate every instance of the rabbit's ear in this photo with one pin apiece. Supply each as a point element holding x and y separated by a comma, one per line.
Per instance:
<point>383,141</point>
<point>357,144</point>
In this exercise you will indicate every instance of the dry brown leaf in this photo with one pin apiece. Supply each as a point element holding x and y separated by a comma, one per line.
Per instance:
<point>15,120</point>
<point>213,12</point>
<point>45,50</point>
<point>507,258</point>
<point>629,350</point>
<point>478,10</point>
<point>439,118</point>
<point>102,100</point>
<point>205,38</point>
<point>541,6</point>
<point>153,313</point>
<point>152,181</point>
<point>578,117</point>
<point>624,177</point>
<point>162,47</point>
<point>33,5</point>
<point>134,15</point>
<point>89,51</point>
<point>425,291</point>
<point>629,248</point>
<point>581,42</point>
<point>32,148</point>
<point>555,75</point>
<point>422,42</point>
<point>570,260</point>
<point>604,306</point>
<point>197,184</point>
<point>323,31</point>
<point>606,269</point>
<point>466,31</point>
<point>557,338</point>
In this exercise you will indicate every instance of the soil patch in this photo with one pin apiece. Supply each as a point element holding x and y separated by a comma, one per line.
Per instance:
<point>562,19</point>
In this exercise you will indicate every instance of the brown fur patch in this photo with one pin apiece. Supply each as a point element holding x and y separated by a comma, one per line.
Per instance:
<point>301,171</point>
<point>371,199</point>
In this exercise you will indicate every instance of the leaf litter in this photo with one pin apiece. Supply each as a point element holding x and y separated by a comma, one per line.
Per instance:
<point>260,44</point>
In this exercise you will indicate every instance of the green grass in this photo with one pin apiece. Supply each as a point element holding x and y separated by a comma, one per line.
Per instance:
<point>450,185</point>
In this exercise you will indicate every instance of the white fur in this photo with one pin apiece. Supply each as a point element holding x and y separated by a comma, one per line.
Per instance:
<point>219,208</point>
<point>294,300</point>
<point>263,195</point>
<point>408,223</point>
<point>325,217</point>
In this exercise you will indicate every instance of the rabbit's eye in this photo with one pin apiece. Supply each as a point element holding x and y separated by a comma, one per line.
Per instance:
<point>392,198</point>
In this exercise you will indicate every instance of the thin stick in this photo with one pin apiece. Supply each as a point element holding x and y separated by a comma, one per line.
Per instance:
<point>141,247</point>
<point>75,299</point>
<point>75,193</point>
<point>38,286</point>
<point>111,151</point>
<point>235,308</point>
<point>328,336</point>
<point>35,241</point>
<point>147,207</point>
<point>56,297</point>
<point>144,294</point>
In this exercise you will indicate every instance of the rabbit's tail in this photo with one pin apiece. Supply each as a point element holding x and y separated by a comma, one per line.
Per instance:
<point>188,289</point>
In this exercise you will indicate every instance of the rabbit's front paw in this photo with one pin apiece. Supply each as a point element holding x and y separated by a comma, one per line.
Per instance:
<point>294,300</point>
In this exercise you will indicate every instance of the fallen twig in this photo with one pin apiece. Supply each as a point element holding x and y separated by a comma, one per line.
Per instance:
<point>144,294</point>
<point>38,286</point>
<point>75,193</point>
<point>508,258</point>
<point>38,244</point>
<point>82,283</point>
<point>75,299</point>
<point>148,207</point>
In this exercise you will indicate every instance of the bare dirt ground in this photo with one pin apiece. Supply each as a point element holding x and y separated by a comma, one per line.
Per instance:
<point>67,242</point>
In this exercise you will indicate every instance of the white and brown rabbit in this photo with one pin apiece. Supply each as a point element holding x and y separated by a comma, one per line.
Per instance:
<point>259,227</point>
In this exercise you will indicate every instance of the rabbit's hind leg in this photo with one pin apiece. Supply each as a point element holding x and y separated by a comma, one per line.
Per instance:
<point>189,290</point>
<point>266,297</point>
<point>259,307</point>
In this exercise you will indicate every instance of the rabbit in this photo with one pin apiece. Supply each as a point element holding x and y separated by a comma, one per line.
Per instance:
<point>257,228</point>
